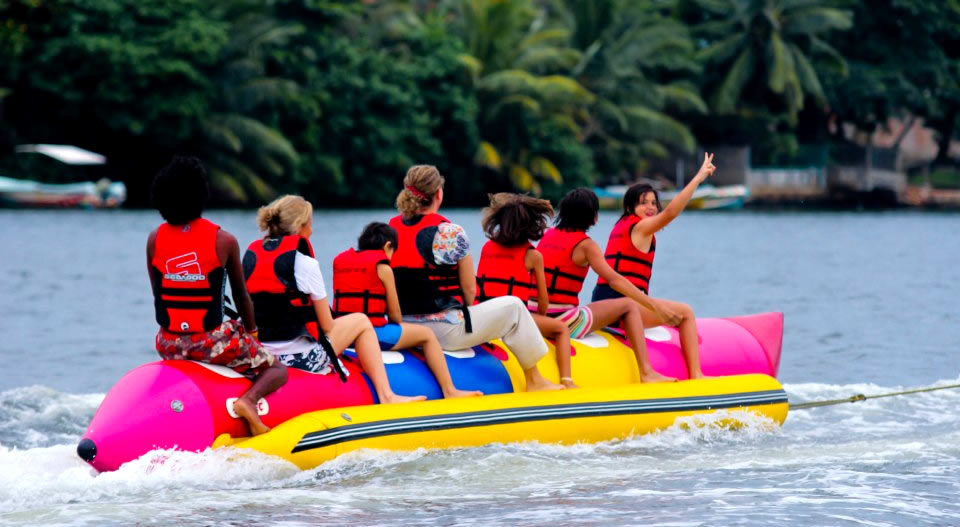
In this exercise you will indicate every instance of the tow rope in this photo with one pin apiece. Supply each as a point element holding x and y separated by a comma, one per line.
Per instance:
<point>861,397</point>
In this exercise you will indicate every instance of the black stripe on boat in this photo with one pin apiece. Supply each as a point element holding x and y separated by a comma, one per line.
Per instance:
<point>409,425</point>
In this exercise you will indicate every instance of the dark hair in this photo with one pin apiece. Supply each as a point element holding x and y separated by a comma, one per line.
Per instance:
<point>513,219</point>
<point>577,210</point>
<point>633,196</point>
<point>375,235</point>
<point>180,190</point>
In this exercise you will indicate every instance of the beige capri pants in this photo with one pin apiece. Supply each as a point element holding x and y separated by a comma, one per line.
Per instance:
<point>505,318</point>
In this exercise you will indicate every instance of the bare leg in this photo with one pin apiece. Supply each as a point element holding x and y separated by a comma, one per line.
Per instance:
<point>606,312</point>
<point>355,328</point>
<point>264,384</point>
<point>412,336</point>
<point>688,334</point>
<point>558,331</point>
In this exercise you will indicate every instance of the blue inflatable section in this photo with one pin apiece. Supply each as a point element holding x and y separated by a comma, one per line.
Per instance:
<point>473,369</point>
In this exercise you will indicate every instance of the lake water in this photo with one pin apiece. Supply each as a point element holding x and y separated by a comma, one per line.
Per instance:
<point>872,305</point>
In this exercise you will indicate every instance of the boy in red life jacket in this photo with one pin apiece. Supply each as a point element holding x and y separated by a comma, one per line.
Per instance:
<point>568,254</point>
<point>363,282</point>
<point>188,258</point>
<point>511,266</point>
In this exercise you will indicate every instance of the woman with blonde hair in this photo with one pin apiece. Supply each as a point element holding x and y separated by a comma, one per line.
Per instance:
<point>436,285</point>
<point>290,300</point>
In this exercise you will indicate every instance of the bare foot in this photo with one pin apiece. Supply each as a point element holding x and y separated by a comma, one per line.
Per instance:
<point>454,393</point>
<point>543,385</point>
<point>700,375</point>
<point>656,377</point>
<point>394,398</point>
<point>569,384</point>
<point>248,411</point>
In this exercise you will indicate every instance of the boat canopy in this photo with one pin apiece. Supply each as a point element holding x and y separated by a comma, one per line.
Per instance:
<point>68,154</point>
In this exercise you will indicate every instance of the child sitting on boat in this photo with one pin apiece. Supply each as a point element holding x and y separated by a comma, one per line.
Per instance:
<point>188,258</point>
<point>511,266</point>
<point>568,254</point>
<point>632,247</point>
<point>363,282</point>
<point>290,300</point>
<point>436,284</point>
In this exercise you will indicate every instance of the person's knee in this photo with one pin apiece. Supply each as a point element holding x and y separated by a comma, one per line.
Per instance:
<point>686,310</point>
<point>361,321</point>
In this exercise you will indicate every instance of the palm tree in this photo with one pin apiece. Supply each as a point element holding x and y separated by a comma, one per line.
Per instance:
<point>518,61</point>
<point>628,47</point>
<point>245,154</point>
<point>766,49</point>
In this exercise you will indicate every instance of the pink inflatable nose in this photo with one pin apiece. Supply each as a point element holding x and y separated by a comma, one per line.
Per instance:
<point>155,406</point>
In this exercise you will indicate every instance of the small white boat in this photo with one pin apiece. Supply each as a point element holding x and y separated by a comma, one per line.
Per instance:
<point>709,197</point>
<point>86,194</point>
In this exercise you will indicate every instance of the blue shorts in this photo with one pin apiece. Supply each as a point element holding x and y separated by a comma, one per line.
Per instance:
<point>388,335</point>
<point>604,292</point>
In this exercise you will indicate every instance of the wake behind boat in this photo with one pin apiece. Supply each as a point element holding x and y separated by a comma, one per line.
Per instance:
<point>187,405</point>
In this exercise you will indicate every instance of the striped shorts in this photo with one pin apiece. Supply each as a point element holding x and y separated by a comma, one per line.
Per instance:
<point>579,320</point>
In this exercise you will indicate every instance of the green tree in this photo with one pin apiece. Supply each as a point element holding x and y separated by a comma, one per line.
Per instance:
<point>246,156</point>
<point>916,74</point>
<point>519,62</point>
<point>639,61</point>
<point>371,104</point>
<point>765,56</point>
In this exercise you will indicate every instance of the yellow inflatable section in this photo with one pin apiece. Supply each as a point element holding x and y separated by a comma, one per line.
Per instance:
<point>566,417</point>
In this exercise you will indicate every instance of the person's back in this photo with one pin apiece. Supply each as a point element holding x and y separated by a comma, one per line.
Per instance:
<point>188,259</point>
<point>363,282</point>
<point>501,272</point>
<point>511,266</point>
<point>564,277</point>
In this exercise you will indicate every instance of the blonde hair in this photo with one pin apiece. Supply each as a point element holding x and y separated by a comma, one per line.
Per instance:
<point>284,216</point>
<point>426,180</point>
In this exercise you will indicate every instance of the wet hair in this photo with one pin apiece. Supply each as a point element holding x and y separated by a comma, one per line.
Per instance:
<point>514,219</point>
<point>577,210</point>
<point>636,193</point>
<point>180,190</point>
<point>425,180</point>
<point>284,216</point>
<point>375,235</point>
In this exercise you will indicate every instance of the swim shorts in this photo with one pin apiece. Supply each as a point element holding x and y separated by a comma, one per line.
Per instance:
<point>314,361</point>
<point>227,345</point>
<point>579,320</point>
<point>388,335</point>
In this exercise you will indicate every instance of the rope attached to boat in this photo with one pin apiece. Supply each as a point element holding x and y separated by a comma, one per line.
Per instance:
<point>861,397</point>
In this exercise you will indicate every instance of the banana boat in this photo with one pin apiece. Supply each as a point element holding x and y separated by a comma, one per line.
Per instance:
<point>188,405</point>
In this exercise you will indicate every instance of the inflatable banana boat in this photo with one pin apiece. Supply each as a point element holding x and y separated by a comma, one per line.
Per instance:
<point>314,418</point>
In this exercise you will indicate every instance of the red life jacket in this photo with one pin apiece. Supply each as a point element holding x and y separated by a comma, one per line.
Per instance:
<point>357,287</point>
<point>282,311</point>
<point>502,272</point>
<point>635,265</point>
<point>188,277</point>
<point>422,287</point>
<point>564,278</point>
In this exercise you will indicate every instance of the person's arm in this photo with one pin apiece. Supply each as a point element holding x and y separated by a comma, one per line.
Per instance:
<point>651,225</point>
<point>468,280</point>
<point>533,261</point>
<point>227,246</point>
<point>151,241</point>
<point>324,316</point>
<point>591,252</point>
<point>385,273</point>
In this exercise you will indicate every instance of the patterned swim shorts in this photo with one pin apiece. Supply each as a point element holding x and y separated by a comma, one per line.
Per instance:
<point>227,345</point>
<point>579,320</point>
<point>313,361</point>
